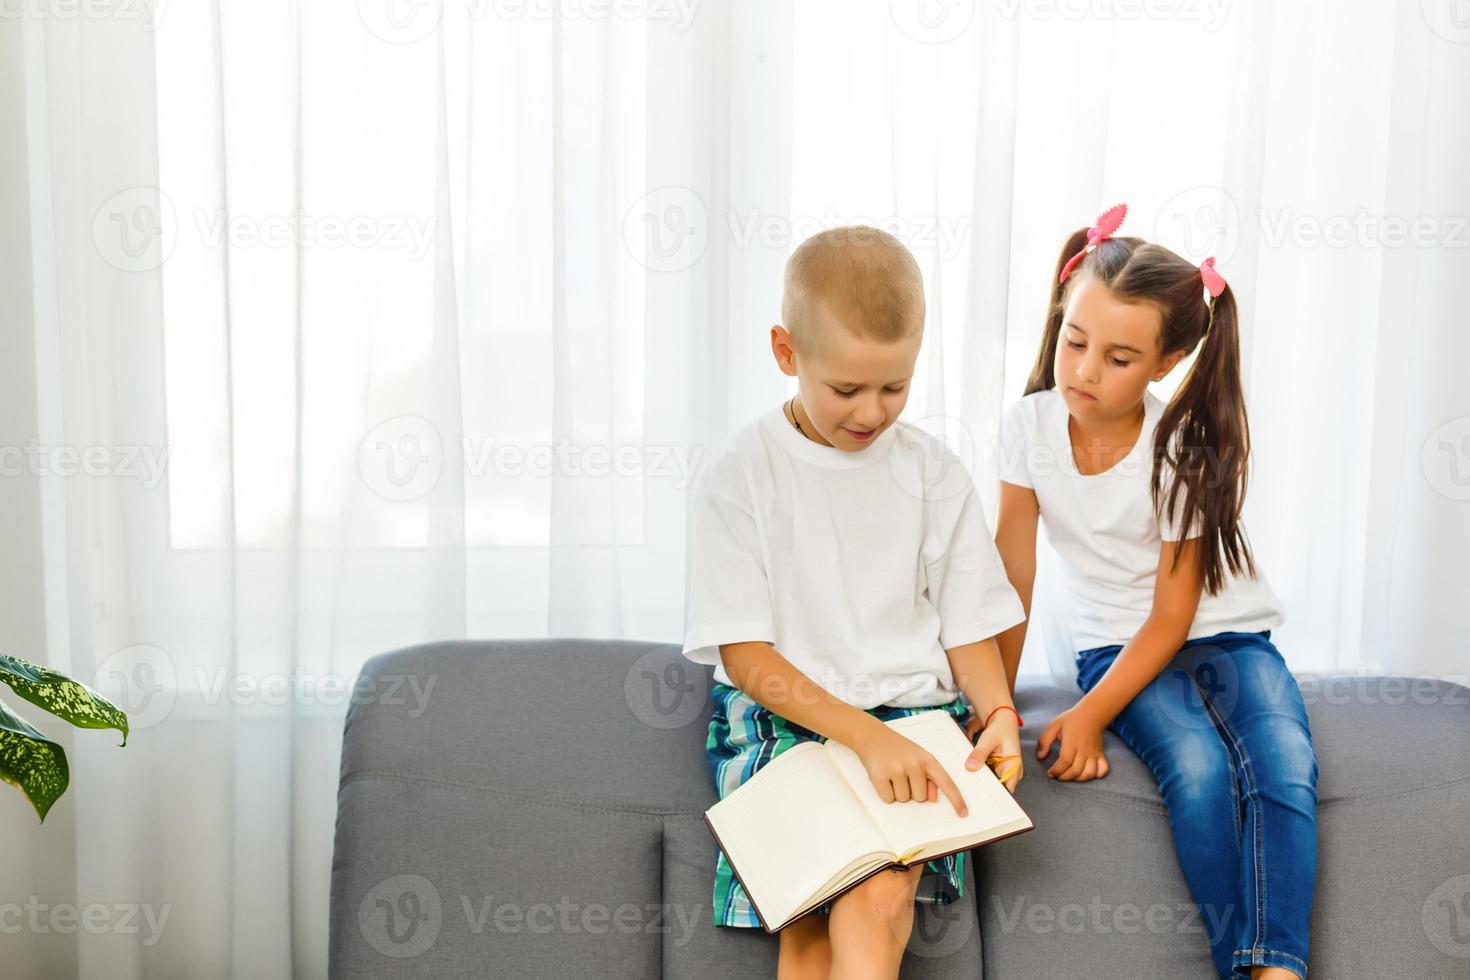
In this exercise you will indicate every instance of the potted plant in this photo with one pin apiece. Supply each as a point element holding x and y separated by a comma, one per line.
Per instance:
<point>29,759</point>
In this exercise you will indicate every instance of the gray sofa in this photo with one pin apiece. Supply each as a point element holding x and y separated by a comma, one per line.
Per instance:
<point>534,809</point>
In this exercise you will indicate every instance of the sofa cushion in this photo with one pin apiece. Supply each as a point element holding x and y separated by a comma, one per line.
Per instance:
<point>535,808</point>
<point>1096,889</point>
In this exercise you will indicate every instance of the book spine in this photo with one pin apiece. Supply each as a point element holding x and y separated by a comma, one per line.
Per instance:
<point>765,923</point>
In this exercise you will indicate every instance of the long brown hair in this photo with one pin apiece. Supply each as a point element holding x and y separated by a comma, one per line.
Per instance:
<point>1203,433</point>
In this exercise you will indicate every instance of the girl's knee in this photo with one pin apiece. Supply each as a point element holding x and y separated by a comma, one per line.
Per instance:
<point>1284,761</point>
<point>1196,770</point>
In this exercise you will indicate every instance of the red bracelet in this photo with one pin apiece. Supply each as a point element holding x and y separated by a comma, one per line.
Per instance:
<point>1003,707</point>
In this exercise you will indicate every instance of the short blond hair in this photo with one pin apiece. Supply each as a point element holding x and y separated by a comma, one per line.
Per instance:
<point>863,275</point>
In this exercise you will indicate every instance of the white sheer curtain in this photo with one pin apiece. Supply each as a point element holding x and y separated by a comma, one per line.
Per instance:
<point>386,322</point>
<point>1313,149</point>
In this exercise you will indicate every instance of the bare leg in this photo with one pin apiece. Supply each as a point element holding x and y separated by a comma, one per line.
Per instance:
<point>871,924</point>
<point>1272,973</point>
<point>806,950</point>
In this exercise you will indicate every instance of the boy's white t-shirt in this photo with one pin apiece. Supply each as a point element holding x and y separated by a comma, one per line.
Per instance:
<point>861,568</point>
<point>1106,531</point>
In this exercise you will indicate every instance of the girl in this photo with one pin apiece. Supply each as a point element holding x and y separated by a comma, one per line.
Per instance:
<point>1142,501</point>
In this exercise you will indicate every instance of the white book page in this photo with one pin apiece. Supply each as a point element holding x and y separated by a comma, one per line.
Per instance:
<point>912,824</point>
<point>792,828</point>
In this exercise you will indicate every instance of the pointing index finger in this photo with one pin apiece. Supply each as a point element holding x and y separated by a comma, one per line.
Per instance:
<point>947,786</point>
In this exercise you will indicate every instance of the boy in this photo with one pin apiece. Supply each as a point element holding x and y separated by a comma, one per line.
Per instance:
<point>833,589</point>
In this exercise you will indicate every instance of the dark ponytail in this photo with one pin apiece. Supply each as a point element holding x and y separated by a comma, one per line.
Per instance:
<point>1203,435</point>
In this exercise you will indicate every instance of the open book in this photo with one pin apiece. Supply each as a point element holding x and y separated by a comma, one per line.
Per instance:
<point>809,825</point>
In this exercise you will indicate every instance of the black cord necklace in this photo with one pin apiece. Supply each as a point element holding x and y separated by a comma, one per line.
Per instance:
<point>794,422</point>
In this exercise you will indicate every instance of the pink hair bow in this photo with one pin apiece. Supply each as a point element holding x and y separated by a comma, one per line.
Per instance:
<point>1107,223</point>
<point>1212,279</point>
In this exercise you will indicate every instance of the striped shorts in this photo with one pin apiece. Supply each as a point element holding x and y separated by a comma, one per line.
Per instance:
<point>743,737</point>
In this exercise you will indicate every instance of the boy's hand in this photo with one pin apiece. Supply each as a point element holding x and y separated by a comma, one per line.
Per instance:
<point>1000,746</point>
<point>1080,756</point>
<point>902,770</point>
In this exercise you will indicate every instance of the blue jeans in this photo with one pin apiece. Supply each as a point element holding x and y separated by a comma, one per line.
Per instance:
<point>1224,731</point>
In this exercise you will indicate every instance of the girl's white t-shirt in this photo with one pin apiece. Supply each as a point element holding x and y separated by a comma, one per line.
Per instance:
<point>861,568</point>
<point>1105,529</point>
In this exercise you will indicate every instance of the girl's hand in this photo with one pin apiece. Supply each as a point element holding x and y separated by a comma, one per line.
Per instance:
<point>1000,746</point>
<point>902,770</point>
<point>1080,757</point>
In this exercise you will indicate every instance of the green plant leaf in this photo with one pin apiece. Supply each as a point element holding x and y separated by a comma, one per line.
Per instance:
<point>31,761</point>
<point>65,698</point>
